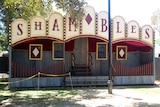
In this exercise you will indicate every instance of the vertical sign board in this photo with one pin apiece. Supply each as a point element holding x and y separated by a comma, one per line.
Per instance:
<point>19,30</point>
<point>88,22</point>
<point>147,35</point>
<point>72,30</point>
<point>133,30</point>
<point>103,25</point>
<point>38,26</point>
<point>118,28</point>
<point>55,26</point>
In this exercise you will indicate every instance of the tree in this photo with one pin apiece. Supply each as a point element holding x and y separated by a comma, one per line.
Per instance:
<point>73,7</point>
<point>3,42</point>
<point>12,9</point>
<point>155,19</point>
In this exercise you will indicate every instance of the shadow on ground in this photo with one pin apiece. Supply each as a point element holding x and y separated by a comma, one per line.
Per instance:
<point>66,97</point>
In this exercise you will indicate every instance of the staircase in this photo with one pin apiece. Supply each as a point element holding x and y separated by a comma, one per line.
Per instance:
<point>81,70</point>
<point>86,81</point>
<point>81,75</point>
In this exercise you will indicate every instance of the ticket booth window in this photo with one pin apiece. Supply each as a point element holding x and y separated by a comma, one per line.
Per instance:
<point>57,51</point>
<point>101,51</point>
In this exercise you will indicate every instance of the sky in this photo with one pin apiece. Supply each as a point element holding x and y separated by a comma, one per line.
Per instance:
<point>138,10</point>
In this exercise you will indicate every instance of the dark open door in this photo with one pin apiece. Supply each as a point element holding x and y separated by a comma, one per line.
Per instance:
<point>81,57</point>
<point>80,52</point>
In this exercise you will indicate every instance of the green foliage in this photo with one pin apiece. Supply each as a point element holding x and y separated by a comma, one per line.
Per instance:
<point>155,19</point>
<point>3,42</point>
<point>13,9</point>
<point>73,7</point>
<point>27,8</point>
<point>157,41</point>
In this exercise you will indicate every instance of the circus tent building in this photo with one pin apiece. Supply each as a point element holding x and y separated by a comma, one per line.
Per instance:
<point>47,50</point>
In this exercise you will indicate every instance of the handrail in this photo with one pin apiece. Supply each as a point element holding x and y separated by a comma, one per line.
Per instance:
<point>73,59</point>
<point>90,59</point>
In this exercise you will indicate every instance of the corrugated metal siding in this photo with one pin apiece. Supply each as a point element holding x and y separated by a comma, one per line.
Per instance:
<point>43,82</point>
<point>120,70</point>
<point>23,67</point>
<point>157,70</point>
<point>133,80</point>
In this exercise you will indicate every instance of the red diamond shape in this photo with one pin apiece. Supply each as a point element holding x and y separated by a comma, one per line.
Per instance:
<point>88,19</point>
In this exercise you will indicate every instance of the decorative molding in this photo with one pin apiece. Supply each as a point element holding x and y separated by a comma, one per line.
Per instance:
<point>35,51</point>
<point>121,52</point>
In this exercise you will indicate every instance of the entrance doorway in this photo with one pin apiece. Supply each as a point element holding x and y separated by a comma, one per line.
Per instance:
<point>80,51</point>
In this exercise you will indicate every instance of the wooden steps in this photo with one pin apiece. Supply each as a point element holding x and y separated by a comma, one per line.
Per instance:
<point>86,80</point>
<point>81,71</point>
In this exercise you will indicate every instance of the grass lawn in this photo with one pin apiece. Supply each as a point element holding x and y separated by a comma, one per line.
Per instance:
<point>66,97</point>
<point>34,97</point>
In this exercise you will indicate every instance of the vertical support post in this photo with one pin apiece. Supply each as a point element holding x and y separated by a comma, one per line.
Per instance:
<point>10,55</point>
<point>154,66</point>
<point>64,57</point>
<point>110,83</point>
<point>38,79</point>
<point>10,62</point>
<point>64,42</point>
<point>70,80</point>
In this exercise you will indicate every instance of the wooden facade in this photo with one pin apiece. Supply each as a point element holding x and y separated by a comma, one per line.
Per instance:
<point>55,46</point>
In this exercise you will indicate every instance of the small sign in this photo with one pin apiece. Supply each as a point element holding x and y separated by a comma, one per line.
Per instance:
<point>35,51</point>
<point>121,52</point>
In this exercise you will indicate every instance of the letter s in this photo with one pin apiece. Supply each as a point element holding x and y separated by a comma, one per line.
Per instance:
<point>147,34</point>
<point>19,26</point>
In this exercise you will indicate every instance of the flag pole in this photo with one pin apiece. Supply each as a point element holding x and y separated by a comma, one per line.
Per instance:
<point>110,82</point>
